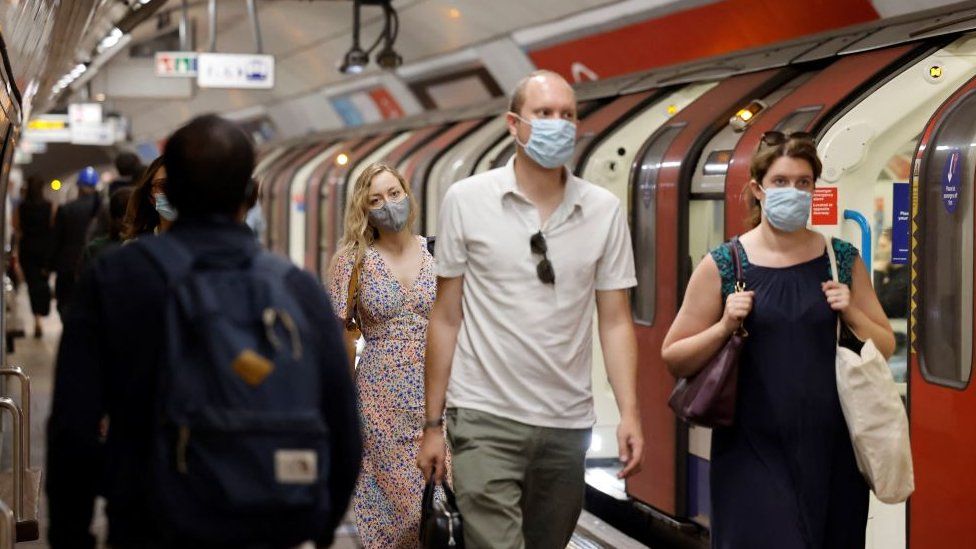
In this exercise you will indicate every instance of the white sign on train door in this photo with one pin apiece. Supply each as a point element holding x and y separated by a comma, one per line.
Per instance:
<point>235,70</point>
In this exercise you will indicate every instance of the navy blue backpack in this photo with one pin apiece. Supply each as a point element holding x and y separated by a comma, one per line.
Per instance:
<point>240,446</point>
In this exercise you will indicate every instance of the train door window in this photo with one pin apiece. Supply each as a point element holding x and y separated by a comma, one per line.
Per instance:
<point>709,176</point>
<point>798,120</point>
<point>706,227</point>
<point>945,262</point>
<point>643,198</point>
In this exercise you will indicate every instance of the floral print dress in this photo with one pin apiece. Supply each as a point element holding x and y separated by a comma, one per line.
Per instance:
<point>390,385</point>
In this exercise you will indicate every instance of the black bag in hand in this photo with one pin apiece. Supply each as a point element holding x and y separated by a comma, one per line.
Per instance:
<point>441,526</point>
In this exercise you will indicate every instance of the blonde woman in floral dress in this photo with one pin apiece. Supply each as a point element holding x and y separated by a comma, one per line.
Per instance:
<point>395,294</point>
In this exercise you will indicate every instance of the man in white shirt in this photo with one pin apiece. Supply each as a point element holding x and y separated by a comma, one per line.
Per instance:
<point>525,253</point>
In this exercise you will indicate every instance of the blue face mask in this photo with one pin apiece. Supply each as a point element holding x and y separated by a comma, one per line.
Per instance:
<point>552,141</point>
<point>164,208</point>
<point>787,209</point>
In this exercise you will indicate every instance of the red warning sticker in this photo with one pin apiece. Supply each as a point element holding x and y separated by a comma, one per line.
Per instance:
<point>824,208</point>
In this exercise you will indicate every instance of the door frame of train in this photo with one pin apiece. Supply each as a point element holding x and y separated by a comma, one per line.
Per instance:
<point>662,484</point>
<point>934,408</point>
<point>270,177</point>
<point>281,186</point>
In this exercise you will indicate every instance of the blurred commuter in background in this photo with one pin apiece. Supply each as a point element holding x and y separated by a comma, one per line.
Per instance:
<point>255,216</point>
<point>70,236</point>
<point>112,239</point>
<point>221,369</point>
<point>33,229</point>
<point>130,169</point>
<point>149,210</point>
<point>393,289</point>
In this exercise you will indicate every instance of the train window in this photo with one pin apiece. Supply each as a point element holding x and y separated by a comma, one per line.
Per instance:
<point>799,120</point>
<point>717,163</point>
<point>643,197</point>
<point>945,251</point>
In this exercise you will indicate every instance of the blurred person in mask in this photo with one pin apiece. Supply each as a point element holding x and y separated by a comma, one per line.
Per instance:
<point>149,210</point>
<point>71,225</point>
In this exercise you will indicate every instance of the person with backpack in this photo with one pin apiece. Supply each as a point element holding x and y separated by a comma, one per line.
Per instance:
<point>221,369</point>
<point>71,225</point>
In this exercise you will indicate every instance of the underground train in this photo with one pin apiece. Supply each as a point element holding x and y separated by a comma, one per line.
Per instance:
<point>893,109</point>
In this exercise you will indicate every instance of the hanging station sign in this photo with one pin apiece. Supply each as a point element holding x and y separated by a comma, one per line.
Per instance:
<point>235,70</point>
<point>48,128</point>
<point>176,64</point>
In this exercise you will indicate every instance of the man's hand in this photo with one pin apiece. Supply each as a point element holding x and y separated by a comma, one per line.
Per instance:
<point>432,454</point>
<point>630,444</point>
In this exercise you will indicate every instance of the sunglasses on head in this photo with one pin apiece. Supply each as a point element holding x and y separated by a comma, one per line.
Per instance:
<point>544,269</point>
<point>774,138</point>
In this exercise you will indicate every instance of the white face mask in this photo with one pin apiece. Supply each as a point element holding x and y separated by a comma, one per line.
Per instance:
<point>787,209</point>
<point>552,142</point>
<point>164,208</point>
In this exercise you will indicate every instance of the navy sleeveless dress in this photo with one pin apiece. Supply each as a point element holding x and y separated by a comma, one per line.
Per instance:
<point>784,476</point>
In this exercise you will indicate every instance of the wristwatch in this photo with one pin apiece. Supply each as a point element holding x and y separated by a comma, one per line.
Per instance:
<point>432,423</point>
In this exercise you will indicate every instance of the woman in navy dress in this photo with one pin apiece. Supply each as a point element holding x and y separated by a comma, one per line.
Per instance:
<point>784,475</point>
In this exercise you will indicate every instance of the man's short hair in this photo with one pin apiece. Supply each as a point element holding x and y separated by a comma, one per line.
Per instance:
<point>128,164</point>
<point>208,167</point>
<point>518,94</point>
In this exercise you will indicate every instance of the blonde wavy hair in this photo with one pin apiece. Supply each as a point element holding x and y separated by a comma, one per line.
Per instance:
<point>357,233</point>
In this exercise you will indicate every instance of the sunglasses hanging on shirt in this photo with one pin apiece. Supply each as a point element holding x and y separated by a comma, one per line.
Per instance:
<point>544,269</point>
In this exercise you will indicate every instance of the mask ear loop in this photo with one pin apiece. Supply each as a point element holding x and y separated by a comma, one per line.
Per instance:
<point>524,121</point>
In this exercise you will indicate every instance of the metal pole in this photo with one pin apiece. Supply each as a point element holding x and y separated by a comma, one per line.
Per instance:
<point>212,10</point>
<point>252,11</point>
<point>16,417</point>
<point>8,527</point>
<point>185,25</point>
<point>25,403</point>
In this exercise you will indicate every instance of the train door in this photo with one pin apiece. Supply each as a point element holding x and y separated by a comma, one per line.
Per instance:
<point>268,178</point>
<point>457,164</point>
<point>315,209</point>
<point>657,210</point>
<point>297,219</point>
<point>281,187</point>
<point>417,168</point>
<point>607,163</point>
<point>942,401</point>
<point>867,154</point>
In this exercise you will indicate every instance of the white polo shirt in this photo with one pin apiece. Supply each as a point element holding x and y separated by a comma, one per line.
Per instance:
<point>524,350</point>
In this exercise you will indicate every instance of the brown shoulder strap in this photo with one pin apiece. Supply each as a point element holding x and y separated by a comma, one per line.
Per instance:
<point>352,293</point>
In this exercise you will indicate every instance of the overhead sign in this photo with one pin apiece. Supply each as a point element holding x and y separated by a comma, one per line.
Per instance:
<point>824,207</point>
<point>176,64</point>
<point>48,128</point>
<point>235,70</point>
<point>81,114</point>
<point>94,134</point>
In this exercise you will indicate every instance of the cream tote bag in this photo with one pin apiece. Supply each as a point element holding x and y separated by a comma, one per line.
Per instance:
<point>875,417</point>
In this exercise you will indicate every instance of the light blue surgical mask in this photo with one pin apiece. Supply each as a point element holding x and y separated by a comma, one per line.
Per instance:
<point>787,209</point>
<point>552,141</point>
<point>164,208</point>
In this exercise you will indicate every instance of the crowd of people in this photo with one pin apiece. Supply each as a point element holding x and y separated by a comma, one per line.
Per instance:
<point>204,389</point>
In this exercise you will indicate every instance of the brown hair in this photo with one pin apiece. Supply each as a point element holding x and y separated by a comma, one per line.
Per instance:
<point>797,148</point>
<point>140,214</point>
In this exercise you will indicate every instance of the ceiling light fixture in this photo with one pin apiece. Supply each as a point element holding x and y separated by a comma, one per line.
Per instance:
<point>355,59</point>
<point>388,58</point>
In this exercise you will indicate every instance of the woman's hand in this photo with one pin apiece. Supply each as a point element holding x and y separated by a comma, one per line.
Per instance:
<point>838,296</point>
<point>737,308</point>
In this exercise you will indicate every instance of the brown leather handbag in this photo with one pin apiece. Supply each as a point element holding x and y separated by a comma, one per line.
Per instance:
<point>707,398</point>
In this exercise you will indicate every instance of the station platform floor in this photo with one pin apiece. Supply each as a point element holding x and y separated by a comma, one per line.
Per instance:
<point>36,357</point>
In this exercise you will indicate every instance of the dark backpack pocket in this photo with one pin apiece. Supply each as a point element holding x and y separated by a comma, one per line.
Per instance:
<point>246,462</point>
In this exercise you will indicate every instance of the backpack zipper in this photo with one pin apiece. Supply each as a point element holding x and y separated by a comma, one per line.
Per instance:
<point>183,439</point>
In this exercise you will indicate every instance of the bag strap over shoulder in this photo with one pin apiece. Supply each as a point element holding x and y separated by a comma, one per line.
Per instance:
<point>352,293</point>
<point>740,279</point>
